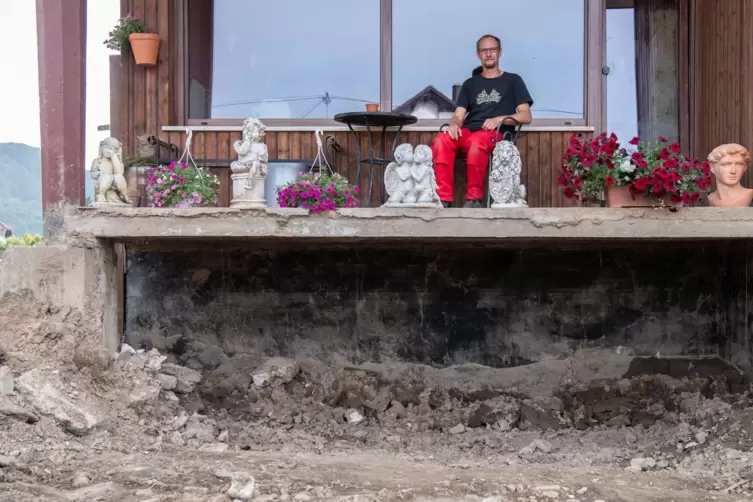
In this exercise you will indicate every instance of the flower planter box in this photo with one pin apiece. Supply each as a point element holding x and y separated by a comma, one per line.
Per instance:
<point>622,197</point>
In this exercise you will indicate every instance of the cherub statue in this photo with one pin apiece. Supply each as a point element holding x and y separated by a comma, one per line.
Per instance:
<point>410,179</point>
<point>424,177</point>
<point>504,180</point>
<point>397,176</point>
<point>250,170</point>
<point>108,173</point>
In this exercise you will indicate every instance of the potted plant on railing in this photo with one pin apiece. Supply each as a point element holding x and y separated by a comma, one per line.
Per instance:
<point>130,32</point>
<point>178,185</point>
<point>654,174</point>
<point>318,192</point>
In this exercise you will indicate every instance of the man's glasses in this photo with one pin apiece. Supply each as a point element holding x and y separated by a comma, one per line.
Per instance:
<point>489,51</point>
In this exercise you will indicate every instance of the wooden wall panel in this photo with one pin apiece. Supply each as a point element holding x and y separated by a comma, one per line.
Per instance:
<point>149,90</point>
<point>726,75</point>
<point>541,154</point>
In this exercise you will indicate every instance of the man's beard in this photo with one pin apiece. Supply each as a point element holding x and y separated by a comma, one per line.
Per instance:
<point>490,64</point>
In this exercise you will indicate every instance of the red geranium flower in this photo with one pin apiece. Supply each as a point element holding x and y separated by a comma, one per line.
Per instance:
<point>635,141</point>
<point>609,180</point>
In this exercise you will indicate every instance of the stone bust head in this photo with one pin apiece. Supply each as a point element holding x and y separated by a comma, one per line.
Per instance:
<point>253,130</point>
<point>729,163</point>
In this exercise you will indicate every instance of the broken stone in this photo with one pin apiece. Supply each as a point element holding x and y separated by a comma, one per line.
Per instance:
<point>550,495</point>
<point>170,396</point>
<point>353,416</point>
<point>242,486</point>
<point>81,480</point>
<point>46,399</point>
<point>154,361</point>
<point>636,465</point>
<point>222,437</point>
<point>176,439</point>
<point>536,445</point>
<point>6,381</point>
<point>199,429</point>
<point>582,491</point>
<point>167,382</point>
<point>650,463</point>
<point>10,409</point>
<point>548,488</point>
<point>662,464</point>
<point>458,429</point>
<point>186,378</point>
<point>282,369</point>
<point>701,437</point>
<point>5,461</point>
<point>215,447</point>
<point>142,396</point>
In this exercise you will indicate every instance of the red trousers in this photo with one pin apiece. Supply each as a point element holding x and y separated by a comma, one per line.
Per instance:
<point>477,146</point>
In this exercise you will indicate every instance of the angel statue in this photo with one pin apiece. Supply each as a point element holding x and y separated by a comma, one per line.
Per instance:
<point>108,173</point>
<point>504,180</point>
<point>250,170</point>
<point>425,179</point>
<point>410,179</point>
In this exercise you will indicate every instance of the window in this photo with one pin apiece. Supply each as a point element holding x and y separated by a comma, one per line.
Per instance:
<point>433,43</point>
<point>284,59</point>
<point>293,60</point>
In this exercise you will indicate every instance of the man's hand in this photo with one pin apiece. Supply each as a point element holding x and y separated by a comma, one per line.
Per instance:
<point>493,124</point>
<point>454,131</point>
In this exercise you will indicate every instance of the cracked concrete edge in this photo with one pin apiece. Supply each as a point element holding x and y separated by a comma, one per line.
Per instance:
<point>415,224</point>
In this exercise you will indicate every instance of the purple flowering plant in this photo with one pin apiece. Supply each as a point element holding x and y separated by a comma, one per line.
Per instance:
<point>178,185</point>
<point>118,37</point>
<point>318,192</point>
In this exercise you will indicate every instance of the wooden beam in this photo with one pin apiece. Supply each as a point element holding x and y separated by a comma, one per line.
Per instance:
<point>61,45</point>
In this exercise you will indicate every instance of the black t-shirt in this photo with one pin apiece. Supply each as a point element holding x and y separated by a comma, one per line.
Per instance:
<point>487,98</point>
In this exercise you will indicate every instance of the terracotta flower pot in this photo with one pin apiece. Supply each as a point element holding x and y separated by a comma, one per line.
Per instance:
<point>621,197</point>
<point>145,48</point>
<point>372,107</point>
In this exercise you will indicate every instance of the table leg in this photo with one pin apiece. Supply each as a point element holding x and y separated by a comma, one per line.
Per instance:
<point>371,160</point>
<point>394,142</point>
<point>358,153</point>
<point>380,167</point>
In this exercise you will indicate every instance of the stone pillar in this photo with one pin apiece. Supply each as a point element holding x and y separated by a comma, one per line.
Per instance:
<point>61,45</point>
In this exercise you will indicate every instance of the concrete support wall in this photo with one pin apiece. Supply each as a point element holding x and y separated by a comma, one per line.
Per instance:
<point>430,304</point>
<point>85,280</point>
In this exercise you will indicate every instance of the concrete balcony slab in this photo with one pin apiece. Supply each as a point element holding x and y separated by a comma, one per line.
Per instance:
<point>415,225</point>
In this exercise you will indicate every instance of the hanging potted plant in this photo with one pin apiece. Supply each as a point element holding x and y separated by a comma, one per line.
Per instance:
<point>318,192</point>
<point>178,185</point>
<point>130,32</point>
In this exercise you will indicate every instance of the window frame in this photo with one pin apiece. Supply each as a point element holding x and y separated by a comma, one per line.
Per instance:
<point>594,99</point>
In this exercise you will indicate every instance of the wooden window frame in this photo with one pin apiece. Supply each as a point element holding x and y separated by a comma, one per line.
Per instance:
<point>594,101</point>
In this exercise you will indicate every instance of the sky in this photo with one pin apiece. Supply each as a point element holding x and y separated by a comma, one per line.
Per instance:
<point>19,87</point>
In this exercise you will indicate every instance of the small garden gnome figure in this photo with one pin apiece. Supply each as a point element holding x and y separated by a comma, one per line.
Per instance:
<point>728,165</point>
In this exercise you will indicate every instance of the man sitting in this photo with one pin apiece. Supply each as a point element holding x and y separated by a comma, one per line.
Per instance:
<point>489,98</point>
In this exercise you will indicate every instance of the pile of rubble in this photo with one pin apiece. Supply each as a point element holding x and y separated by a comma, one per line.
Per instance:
<point>145,401</point>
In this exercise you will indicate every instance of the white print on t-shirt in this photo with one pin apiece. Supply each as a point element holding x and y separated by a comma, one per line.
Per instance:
<point>493,97</point>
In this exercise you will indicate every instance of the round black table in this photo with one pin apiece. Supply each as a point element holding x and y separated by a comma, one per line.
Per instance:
<point>369,120</point>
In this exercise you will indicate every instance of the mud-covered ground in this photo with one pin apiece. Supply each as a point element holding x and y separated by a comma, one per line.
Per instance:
<point>80,424</point>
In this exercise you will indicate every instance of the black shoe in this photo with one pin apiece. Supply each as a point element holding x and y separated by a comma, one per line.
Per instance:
<point>475,204</point>
<point>446,204</point>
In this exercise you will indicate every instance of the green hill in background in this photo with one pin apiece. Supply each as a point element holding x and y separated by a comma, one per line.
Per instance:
<point>21,188</point>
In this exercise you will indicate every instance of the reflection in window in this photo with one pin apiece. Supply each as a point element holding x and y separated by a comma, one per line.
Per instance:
<point>433,44</point>
<point>287,59</point>
<point>622,105</point>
